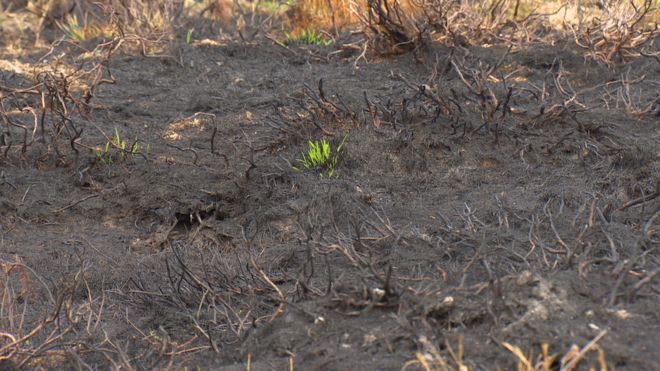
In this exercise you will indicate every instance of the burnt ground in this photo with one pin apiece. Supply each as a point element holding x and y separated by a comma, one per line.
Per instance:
<point>444,226</point>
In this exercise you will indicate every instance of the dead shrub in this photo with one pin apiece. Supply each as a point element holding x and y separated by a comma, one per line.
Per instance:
<point>609,30</point>
<point>50,111</point>
<point>621,31</point>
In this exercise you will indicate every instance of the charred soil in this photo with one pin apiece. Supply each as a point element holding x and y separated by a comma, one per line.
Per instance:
<point>484,196</point>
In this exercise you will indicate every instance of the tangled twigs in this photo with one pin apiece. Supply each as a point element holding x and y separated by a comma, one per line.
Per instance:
<point>388,27</point>
<point>53,335</point>
<point>622,33</point>
<point>50,105</point>
<point>55,98</point>
<point>280,308</point>
<point>322,109</point>
<point>647,226</point>
<point>388,18</point>
<point>425,90</point>
<point>558,100</point>
<point>477,83</point>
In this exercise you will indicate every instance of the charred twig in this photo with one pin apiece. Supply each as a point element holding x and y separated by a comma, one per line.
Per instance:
<point>56,211</point>
<point>639,201</point>
<point>280,309</point>
<point>426,91</point>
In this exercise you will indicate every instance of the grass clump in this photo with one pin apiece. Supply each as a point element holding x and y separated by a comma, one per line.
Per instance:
<point>308,37</point>
<point>79,30</point>
<point>72,28</point>
<point>322,156</point>
<point>118,148</point>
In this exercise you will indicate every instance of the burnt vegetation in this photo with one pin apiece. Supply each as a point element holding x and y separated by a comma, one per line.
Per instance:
<point>496,203</point>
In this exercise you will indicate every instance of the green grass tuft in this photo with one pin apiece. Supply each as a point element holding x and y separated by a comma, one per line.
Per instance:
<point>322,156</point>
<point>308,37</point>
<point>118,149</point>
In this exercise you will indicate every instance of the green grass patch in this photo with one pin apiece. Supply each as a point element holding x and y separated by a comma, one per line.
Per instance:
<point>322,156</point>
<point>118,149</point>
<point>72,28</point>
<point>308,37</point>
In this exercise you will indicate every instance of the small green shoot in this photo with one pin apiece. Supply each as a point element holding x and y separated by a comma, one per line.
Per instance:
<point>308,37</point>
<point>322,156</point>
<point>189,36</point>
<point>121,149</point>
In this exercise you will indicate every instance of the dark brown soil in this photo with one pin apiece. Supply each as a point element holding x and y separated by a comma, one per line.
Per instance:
<point>210,249</point>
